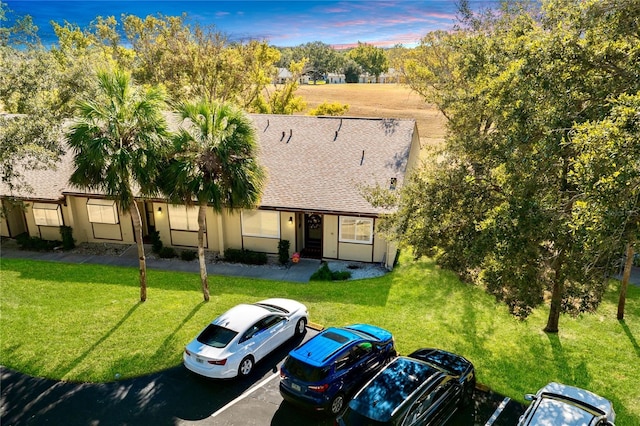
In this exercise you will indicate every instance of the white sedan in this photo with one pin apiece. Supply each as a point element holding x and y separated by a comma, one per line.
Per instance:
<point>557,404</point>
<point>232,344</point>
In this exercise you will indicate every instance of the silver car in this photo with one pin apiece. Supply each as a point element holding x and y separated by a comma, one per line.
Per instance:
<point>562,405</point>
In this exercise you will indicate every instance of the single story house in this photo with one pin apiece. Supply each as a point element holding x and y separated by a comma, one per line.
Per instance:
<point>316,168</point>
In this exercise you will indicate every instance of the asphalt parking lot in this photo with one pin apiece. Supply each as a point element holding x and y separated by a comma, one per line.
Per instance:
<point>179,397</point>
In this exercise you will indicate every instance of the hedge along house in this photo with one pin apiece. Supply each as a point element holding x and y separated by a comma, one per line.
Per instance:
<point>316,169</point>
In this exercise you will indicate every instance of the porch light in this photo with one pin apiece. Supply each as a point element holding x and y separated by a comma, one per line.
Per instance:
<point>291,220</point>
<point>159,210</point>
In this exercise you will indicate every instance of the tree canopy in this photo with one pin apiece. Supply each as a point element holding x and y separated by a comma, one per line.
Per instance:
<point>371,59</point>
<point>499,204</point>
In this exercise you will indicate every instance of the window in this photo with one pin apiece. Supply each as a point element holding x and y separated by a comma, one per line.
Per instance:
<point>102,211</point>
<point>183,218</point>
<point>259,223</point>
<point>356,230</point>
<point>47,214</point>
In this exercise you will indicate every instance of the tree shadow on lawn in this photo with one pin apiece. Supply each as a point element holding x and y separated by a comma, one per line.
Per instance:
<point>63,370</point>
<point>630,335</point>
<point>372,291</point>
<point>163,398</point>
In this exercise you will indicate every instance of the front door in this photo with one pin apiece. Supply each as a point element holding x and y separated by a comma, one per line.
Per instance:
<point>312,236</point>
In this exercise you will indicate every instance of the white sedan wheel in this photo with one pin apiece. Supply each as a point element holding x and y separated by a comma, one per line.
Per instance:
<point>246,365</point>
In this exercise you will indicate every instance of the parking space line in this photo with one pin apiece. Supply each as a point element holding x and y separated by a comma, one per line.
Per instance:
<point>498,411</point>
<point>246,394</point>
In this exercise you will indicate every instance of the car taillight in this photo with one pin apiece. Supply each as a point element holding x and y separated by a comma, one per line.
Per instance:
<point>187,352</point>
<point>217,361</point>
<point>283,375</point>
<point>321,388</point>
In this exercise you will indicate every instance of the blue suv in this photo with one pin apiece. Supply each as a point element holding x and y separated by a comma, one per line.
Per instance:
<point>321,373</point>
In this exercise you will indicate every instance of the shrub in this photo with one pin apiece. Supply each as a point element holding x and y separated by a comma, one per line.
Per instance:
<point>326,274</point>
<point>156,242</point>
<point>188,255</point>
<point>167,253</point>
<point>332,109</point>
<point>245,256</point>
<point>283,251</point>
<point>340,275</point>
<point>35,243</point>
<point>67,238</point>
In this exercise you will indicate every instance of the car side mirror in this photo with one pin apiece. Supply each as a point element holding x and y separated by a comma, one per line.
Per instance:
<point>529,397</point>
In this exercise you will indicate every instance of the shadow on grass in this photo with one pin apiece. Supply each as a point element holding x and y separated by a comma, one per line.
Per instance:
<point>577,375</point>
<point>64,370</point>
<point>169,397</point>
<point>630,335</point>
<point>166,348</point>
<point>372,291</point>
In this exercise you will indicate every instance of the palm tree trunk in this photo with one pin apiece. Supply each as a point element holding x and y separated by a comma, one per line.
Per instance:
<point>137,228</point>
<point>202,212</point>
<point>625,280</point>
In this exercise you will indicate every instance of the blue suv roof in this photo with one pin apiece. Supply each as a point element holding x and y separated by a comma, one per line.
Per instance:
<point>318,350</point>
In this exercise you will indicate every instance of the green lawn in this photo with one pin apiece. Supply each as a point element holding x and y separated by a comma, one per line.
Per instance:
<point>84,323</point>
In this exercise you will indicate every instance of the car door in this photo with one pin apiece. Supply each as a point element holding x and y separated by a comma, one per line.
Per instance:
<point>418,413</point>
<point>444,402</point>
<point>276,327</point>
<point>255,340</point>
<point>357,365</point>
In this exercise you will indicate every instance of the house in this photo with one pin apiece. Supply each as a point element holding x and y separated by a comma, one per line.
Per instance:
<point>316,169</point>
<point>284,75</point>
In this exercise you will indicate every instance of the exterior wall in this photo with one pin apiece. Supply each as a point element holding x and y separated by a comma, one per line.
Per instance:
<point>12,222</point>
<point>357,252</point>
<point>232,230</point>
<point>85,231</point>
<point>379,246</point>
<point>330,236</point>
<point>51,233</point>
<point>333,249</point>
<point>270,245</point>
<point>180,238</point>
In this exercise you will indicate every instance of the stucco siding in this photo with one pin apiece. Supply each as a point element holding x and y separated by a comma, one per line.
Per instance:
<point>330,236</point>
<point>288,230</point>
<point>12,221</point>
<point>266,245</point>
<point>357,252</point>
<point>185,239</point>
<point>232,232</point>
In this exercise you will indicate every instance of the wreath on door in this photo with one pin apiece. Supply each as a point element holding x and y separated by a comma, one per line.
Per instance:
<point>314,221</point>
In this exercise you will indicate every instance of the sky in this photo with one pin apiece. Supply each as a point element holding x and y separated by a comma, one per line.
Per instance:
<point>341,24</point>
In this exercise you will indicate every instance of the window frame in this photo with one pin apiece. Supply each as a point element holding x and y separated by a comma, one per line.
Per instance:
<point>46,215</point>
<point>247,216</point>
<point>355,219</point>
<point>99,210</point>
<point>187,217</point>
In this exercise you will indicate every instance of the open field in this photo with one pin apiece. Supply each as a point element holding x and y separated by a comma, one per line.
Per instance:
<point>379,100</point>
<point>91,326</point>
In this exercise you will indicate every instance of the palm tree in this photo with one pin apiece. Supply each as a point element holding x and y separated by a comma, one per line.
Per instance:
<point>118,140</point>
<point>214,163</point>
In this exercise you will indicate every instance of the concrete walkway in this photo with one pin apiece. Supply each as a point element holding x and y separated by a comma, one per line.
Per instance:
<point>300,272</point>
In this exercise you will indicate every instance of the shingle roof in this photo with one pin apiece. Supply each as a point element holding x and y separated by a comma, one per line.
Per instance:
<point>313,164</point>
<point>320,163</point>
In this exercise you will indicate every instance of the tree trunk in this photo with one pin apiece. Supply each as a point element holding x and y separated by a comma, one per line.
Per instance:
<point>556,297</point>
<point>137,228</point>
<point>625,279</point>
<point>202,212</point>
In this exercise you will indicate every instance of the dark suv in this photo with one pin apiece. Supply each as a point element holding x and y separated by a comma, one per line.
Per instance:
<point>328,368</point>
<point>424,388</point>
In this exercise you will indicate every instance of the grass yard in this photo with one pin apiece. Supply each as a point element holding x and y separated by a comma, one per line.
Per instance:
<point>84,323</point>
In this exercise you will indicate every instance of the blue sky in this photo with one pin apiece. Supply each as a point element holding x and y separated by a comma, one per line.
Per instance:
<point>282,23</point>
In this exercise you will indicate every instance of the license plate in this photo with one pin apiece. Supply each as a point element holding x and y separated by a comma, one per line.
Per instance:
<point>295,387</point>
<point>199,360</point>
